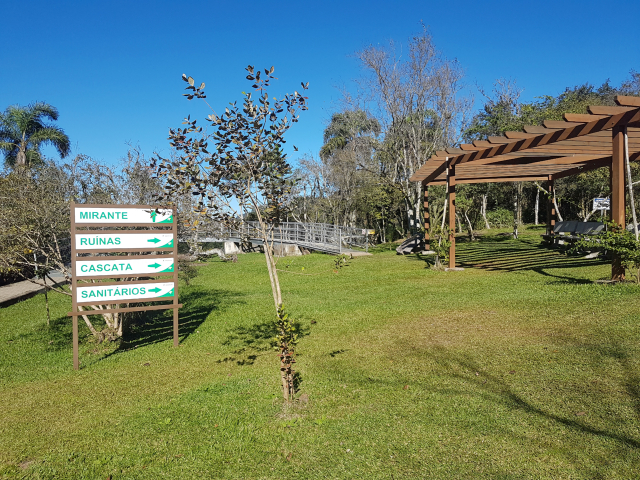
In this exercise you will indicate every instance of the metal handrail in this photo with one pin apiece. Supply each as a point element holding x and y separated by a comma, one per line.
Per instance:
<point>317,236</point>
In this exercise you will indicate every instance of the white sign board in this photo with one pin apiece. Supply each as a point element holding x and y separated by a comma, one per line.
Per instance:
<point>122,215</point>
<point>601,204</point>
<point>123,293</point>
<point>124,266</point>
<point>115,241</point>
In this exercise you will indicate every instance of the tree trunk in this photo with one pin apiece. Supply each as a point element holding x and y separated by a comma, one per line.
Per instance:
<point>555,204</point>
<point>520,188</point>
<point>46,300</point>
<point>21,158</point>
<point>630,184</point>
<point>483,211</point>
<point>469,226</point>
<point>537,208</point>
<point>515,213</point>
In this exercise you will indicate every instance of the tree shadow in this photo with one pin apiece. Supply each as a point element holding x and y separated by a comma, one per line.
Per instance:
<point>157,326</point>
<point>521,255</point>
<point>495,389</point>
<point>255,340</point>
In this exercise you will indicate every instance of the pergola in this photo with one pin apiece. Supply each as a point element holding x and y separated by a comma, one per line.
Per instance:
<point>582,142</point>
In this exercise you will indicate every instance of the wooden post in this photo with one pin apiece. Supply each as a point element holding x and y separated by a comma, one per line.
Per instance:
<point>74,284</point>
<point>451,181</point>
<point>617,193</point>
<point>427,226</point>
<point>174,230</point>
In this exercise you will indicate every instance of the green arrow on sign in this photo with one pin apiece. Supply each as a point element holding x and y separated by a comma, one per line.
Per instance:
<point>154,240</point>
<point>154,290</point>
<point>154,265</point>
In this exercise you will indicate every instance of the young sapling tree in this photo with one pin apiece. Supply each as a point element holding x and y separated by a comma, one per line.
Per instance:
<point>243,171</point>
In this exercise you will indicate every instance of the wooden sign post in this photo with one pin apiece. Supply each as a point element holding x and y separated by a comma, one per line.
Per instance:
<point>152,254</point>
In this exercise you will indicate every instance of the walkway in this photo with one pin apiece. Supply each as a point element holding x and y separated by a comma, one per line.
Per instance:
<point>15,292</point>
<point>320,237</point>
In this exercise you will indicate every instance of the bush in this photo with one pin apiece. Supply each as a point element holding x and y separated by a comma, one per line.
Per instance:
<point>500,218</point>
<point>16,275</point>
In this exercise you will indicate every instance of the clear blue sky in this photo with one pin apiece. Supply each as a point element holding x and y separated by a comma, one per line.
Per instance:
<point>113,68</point>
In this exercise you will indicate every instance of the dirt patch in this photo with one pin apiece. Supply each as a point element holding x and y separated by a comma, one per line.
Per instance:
<point>26,463</point>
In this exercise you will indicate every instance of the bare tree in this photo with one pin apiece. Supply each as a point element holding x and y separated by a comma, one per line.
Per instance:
<point>417,99</point>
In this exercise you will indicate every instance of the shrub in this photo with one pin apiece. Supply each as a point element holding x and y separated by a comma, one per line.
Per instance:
<point>500,218</point>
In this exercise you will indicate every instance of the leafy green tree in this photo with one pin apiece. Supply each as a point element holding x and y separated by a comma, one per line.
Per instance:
<point>620,242</point>
<point>353,128</point>
<point>23,130</point>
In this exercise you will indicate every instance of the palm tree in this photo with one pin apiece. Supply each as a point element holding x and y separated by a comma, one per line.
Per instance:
<point>23,131</point>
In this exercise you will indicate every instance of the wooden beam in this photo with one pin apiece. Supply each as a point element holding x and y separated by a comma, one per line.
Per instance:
<point>584,167</point>
<point>603,110</point>
<point>537,129</point>
<point>427,225</point>
<point>571,159</point>
<point>561,124</point>
<point>499,140</point>
<point>533,178</point>
<point>468,146</point>
<point>582,117</point>
<point>597,126</point>
<point>554,136</point>
<point>519,135</point>
<point>627,101</point>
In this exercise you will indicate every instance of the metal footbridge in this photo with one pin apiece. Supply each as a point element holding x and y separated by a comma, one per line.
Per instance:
<point>321,237</point>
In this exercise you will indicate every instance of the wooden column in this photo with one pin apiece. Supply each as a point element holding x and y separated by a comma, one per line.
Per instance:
<point>551,208</point>
<point>74,285</point>
<point>617,193</point>
<point>427,225</point>
<point>451,182</point>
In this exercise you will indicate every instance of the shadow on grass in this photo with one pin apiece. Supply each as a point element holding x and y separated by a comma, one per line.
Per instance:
<point>494,388</point>
<point>255,340</point>
<point>157,326</point>
<point>506,254</point>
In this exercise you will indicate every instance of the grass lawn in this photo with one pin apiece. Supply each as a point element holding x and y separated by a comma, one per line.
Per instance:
<point>518,367</point>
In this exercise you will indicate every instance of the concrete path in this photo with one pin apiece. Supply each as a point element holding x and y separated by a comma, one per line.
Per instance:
<point>15,292</point>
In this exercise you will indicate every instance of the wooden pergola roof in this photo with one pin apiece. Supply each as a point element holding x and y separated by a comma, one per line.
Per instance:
<point>603,137</point>
<point>558,149</point>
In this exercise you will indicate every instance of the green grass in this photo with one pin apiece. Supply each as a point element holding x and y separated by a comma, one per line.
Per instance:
<point>518,367</point>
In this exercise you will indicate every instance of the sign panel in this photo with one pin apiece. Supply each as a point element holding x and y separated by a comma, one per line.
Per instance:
<point>159,232</point>
<point>123,293</point>
<point>601,204</point>
<point>124,266</point>
<point>122,215</point>
<point>115,241</point>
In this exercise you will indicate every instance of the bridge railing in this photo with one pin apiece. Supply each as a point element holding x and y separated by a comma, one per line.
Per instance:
<point>317,236</point>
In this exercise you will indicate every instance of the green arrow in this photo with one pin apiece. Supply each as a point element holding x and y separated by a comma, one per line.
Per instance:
<point>154,265</point>
<point>154,290</point>
<point>154,240</point>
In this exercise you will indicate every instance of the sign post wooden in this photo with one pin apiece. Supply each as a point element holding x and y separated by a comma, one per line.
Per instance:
<point>152,254</point>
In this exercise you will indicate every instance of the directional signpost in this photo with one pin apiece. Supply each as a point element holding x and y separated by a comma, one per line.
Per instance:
<point>123,255</point>
<point>124,266</point>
